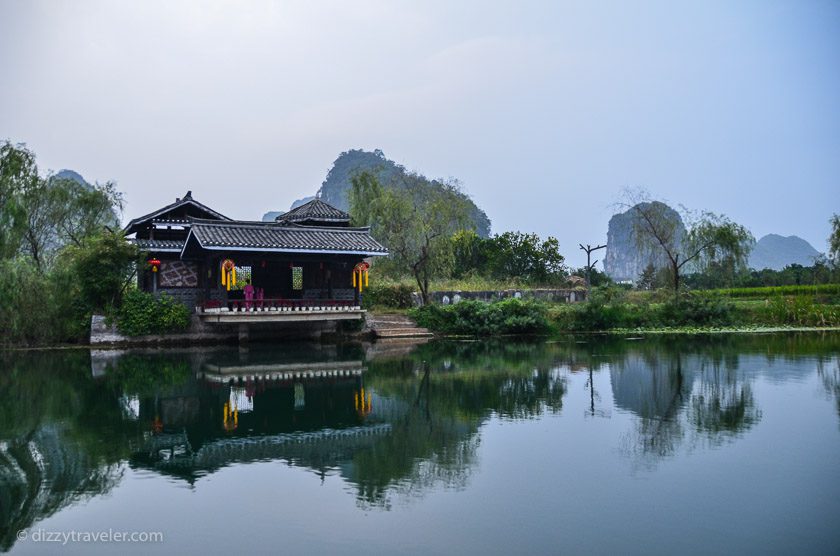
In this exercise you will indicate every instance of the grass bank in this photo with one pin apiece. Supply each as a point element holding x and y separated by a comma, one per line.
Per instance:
<point>619,312</point>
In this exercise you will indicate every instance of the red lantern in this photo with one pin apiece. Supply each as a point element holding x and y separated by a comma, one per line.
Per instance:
<point>154,263</point>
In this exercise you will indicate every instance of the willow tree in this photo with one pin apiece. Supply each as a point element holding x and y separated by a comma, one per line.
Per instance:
<point>18,173</point>
<point>415,222</point>
<point>709,239</point>
<point>39,215</point>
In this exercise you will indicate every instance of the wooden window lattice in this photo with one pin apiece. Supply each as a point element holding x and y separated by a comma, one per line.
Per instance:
<point>243,274</point>
<point>297,277</point>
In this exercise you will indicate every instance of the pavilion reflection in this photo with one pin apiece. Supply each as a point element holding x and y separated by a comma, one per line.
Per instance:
<point>377,423</point>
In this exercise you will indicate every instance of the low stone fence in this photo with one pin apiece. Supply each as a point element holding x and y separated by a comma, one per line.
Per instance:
<point>556,296</point>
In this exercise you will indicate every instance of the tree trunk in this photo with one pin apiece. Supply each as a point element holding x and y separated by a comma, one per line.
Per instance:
<point>676,269</point>
<point>34,248</point>
<point>424,293</point>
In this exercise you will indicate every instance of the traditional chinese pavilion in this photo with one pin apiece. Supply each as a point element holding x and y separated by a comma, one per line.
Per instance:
<point>309,260</point>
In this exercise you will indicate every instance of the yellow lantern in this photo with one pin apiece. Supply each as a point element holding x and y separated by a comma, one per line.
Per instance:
<point>228,273</point>
<point>361,275</point>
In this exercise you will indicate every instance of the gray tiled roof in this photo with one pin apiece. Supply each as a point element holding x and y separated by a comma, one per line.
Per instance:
<point>160,244</point>
<point>185,200</point>
<point>291,238</point>
<point>316,209</point>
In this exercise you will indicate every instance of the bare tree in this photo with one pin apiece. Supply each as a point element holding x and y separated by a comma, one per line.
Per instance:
<point>590,265</point>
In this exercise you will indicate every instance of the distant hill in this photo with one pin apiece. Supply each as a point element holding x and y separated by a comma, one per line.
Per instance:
<point>300,202</point>
<point>623,260</point>
<point>337,185</point>
<point>71,175</point>
<point>776,252</point>
<point>272,215</point>
<point>113,219</point>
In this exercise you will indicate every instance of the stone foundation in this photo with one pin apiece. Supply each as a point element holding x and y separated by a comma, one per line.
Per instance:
<point>199,332</point>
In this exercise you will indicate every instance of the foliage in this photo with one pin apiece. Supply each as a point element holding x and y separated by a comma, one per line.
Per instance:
<point>17,173</point>
<point>476,318</point>
<point>59,258</point>
<point>774,291</point>
<point>142,313</point>
<point>511,254</point>
<point>652,278</point>
<point>798,311</point>
<point>792,275</point>
<point>415,223</point>
<point>605,309</point>
<point>102,266</point>
<point>611,308</point>
<point>26,310</point>
<point>49,212</point>
<point>394,296</point>
<point>695,310</point>
<point>65,212</point>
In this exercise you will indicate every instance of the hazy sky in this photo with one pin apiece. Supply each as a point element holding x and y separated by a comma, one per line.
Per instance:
<point>543,110</point>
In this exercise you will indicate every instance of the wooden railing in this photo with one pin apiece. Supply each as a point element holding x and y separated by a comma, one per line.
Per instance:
<point>277,305</point>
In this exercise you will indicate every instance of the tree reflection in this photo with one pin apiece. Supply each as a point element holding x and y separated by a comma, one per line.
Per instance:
<point>830,376</point>
<point>61,438</point>
<point>449,390</point>
<point>654,387</point>
<point>678,396</point>
<point>722,406</point>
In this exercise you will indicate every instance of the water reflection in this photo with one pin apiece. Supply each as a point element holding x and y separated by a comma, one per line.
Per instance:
<point>829,373</point>
<point>61,441</point>
<point>389,423</point>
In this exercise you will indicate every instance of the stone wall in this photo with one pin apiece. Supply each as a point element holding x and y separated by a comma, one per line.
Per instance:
<point>557,296</point>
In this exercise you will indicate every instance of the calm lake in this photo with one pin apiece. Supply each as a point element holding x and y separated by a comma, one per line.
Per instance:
<point>706,445</point>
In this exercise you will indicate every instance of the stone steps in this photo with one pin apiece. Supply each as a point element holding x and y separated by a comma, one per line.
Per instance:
<point>403,332</point>
<point>396,326</point>
<point>392,324</point>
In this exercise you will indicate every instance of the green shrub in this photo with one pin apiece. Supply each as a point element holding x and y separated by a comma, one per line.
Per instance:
<point>393,296</point>
<point>142,313</point>
<point>598,315</point>
<point>696,310</point>
<point>606,311</point>
<point>775,291</point>
<point>476,318</point>
<point>26,309</point>
<point>799,311</point>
